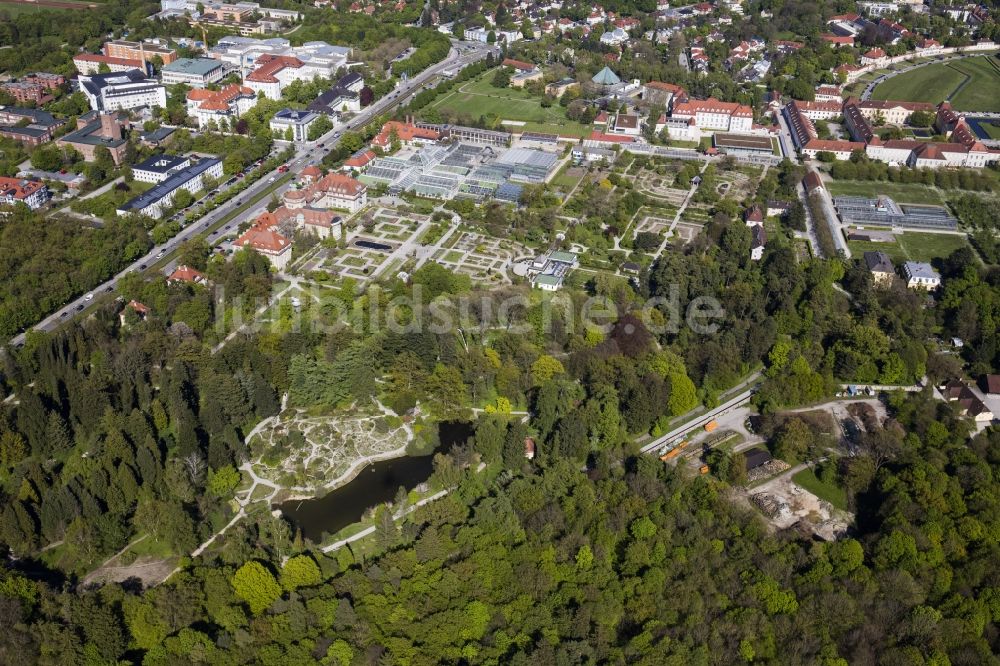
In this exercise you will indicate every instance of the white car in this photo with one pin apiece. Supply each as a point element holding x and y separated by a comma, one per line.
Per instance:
<point>89,297</point>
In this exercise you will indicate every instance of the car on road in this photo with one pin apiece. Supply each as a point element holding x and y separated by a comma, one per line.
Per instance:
<point>336,135</point>
<point>109,289</point>
<point>89,297</point>
<point>271,179</point>
<point>159,255</point>
<point>63,314</point>
<point>142,267</point>
<point>322,145</point>
<point>79,307</point>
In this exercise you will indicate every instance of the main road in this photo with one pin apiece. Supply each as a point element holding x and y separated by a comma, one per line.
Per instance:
<point>461,55</point>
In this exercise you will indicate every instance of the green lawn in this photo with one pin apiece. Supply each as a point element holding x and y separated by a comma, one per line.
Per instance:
<point>566,180</point>
<point>900,192</point>
<point>479,98</point>
<point>15,8</point>
<point>925,247</point>
<point>971,84</point>
<point>895,251</point>
<point>825,491</point>
<point>913,246</point>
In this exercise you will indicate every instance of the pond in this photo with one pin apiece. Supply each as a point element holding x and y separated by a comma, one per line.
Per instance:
<point>375,484</point>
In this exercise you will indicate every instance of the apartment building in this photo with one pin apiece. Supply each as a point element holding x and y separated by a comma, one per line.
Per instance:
<point>27,93</point>
<point>30,127</point>
<point>32,193</point>
<point>88,64</point>
<point>142,51</point>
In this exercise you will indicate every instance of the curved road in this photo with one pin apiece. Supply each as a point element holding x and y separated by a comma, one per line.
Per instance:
<point>461,55</point>
<point>870,88</point>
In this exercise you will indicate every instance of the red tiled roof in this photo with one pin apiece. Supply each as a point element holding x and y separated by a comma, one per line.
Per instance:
<point>19,188</point>
<point>337,184</point>
<point>340,184</point>
<point>186,274</point>
<point>837,39</point>
<point>269,65</point>
<point>218,100</point>
<point>834,146</point>
<point>666,87</point>
<point>611,138</point>
<point>405,131</point>
<point>108,60</point>
<point>359,159</point>
<point>830,107</point>
<point>263,239</point>
<point>711,105</point>
<point>518,64</point>
<point>139,307</point>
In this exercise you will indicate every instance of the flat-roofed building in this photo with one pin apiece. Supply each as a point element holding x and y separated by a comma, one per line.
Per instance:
<point>144,51</point>
<point>743,144</point>
<point>25,92</point>
<point>528,165</point>
<point>195,72</point>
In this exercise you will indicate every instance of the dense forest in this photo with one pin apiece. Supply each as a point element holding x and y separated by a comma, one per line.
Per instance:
<point>541,563</point>
<point>127,426</point>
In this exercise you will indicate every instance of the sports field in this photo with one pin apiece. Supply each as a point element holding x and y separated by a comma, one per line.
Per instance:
<point>479,98</point>
<point>971,84</point>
